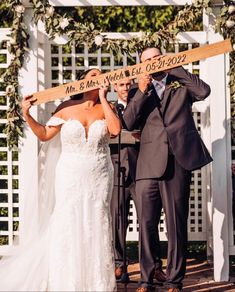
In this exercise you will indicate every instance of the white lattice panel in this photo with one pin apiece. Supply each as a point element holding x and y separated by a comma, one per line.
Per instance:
<point>68,62</point>
<point>9,166</point>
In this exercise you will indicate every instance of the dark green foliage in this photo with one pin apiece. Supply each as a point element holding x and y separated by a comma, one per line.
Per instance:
<point>113,18</point>
<point>229,32</point>
<point>6,16</point>
<point>123,18</point>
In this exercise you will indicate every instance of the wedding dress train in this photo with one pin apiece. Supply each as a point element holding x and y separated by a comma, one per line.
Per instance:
<point>73,251</point>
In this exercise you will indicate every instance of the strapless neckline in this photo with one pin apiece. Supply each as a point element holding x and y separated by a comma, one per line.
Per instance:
<point>86,129</point>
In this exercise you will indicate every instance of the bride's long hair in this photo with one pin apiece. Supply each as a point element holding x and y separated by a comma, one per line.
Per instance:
<point>82,76</point>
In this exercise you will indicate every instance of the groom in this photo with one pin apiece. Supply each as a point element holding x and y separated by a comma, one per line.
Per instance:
<point>170,149</point>
<point>128,158</point>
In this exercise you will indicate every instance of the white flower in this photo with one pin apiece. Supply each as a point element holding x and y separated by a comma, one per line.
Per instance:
<point>64,23</point>
<point>61,39</point>
<point>230,23</point>
<point>10,89</point>
<point>231,9</point>
<point>19,10</point>
<point>142,36</point>
<point>12,56</point>
<point>99,39</point>
<point>49,11</point>
<point>175,84</point>
<point>12,41</point>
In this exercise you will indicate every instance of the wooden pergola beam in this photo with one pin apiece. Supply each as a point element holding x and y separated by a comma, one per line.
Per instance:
<point>74,3</point>
<point>119,2</point>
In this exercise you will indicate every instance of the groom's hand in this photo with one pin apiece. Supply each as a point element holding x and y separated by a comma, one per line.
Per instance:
<point>143,82</point>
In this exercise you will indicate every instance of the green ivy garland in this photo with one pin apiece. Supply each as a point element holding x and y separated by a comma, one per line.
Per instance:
<point>56,24</point>
<point>226,27</point>
<point>18,48</point>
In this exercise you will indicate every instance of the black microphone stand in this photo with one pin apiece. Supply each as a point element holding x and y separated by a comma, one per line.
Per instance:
<point>122,174</point>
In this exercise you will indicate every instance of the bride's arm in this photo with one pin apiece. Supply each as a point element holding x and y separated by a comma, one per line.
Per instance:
<point>44,133</point>
<point>113,122</point>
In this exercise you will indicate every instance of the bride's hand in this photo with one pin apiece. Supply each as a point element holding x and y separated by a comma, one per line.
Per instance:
<point>26,104</point>
<point>103,90</point>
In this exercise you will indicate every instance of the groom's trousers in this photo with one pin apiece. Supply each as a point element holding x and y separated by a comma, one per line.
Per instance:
<point>173,191</point>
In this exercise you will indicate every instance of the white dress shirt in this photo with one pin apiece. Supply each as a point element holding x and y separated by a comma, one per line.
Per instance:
<point>160,86</point>
<point>122,102</point>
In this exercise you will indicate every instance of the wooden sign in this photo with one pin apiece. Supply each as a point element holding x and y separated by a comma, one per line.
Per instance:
<point>162,63</point>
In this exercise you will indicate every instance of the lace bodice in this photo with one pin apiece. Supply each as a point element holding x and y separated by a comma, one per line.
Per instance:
<point>75,138</point>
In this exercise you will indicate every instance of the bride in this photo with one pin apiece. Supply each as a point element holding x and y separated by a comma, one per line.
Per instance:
<point>72,250</point>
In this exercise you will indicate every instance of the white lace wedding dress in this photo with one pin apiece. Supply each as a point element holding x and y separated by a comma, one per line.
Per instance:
<point>74,251</point>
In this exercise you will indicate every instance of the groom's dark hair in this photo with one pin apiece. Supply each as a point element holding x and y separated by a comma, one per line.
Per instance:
<point>149,47</point>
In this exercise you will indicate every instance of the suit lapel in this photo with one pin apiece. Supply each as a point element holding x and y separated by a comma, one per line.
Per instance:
<point>152,91</point>
<point>166,95</point>
<point>155,100</point>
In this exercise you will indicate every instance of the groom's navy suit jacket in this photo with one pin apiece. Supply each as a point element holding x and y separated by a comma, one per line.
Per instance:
<point>167,125</point>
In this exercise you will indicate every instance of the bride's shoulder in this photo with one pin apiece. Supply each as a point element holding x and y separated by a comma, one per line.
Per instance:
<point>64,106</point>
<point>60,113</point>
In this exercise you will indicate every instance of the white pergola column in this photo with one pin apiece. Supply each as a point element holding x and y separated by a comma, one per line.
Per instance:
<point>221,191</point>
<point>28,148</point>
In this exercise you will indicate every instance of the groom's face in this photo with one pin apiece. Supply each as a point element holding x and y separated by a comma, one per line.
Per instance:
<point>150,54</point>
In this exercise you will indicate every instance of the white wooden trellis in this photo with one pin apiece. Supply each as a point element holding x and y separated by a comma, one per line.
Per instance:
<point>9,165</point>
<point>214,225</point>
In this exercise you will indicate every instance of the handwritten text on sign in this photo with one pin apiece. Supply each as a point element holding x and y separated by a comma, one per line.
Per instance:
<point>158,64</point>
